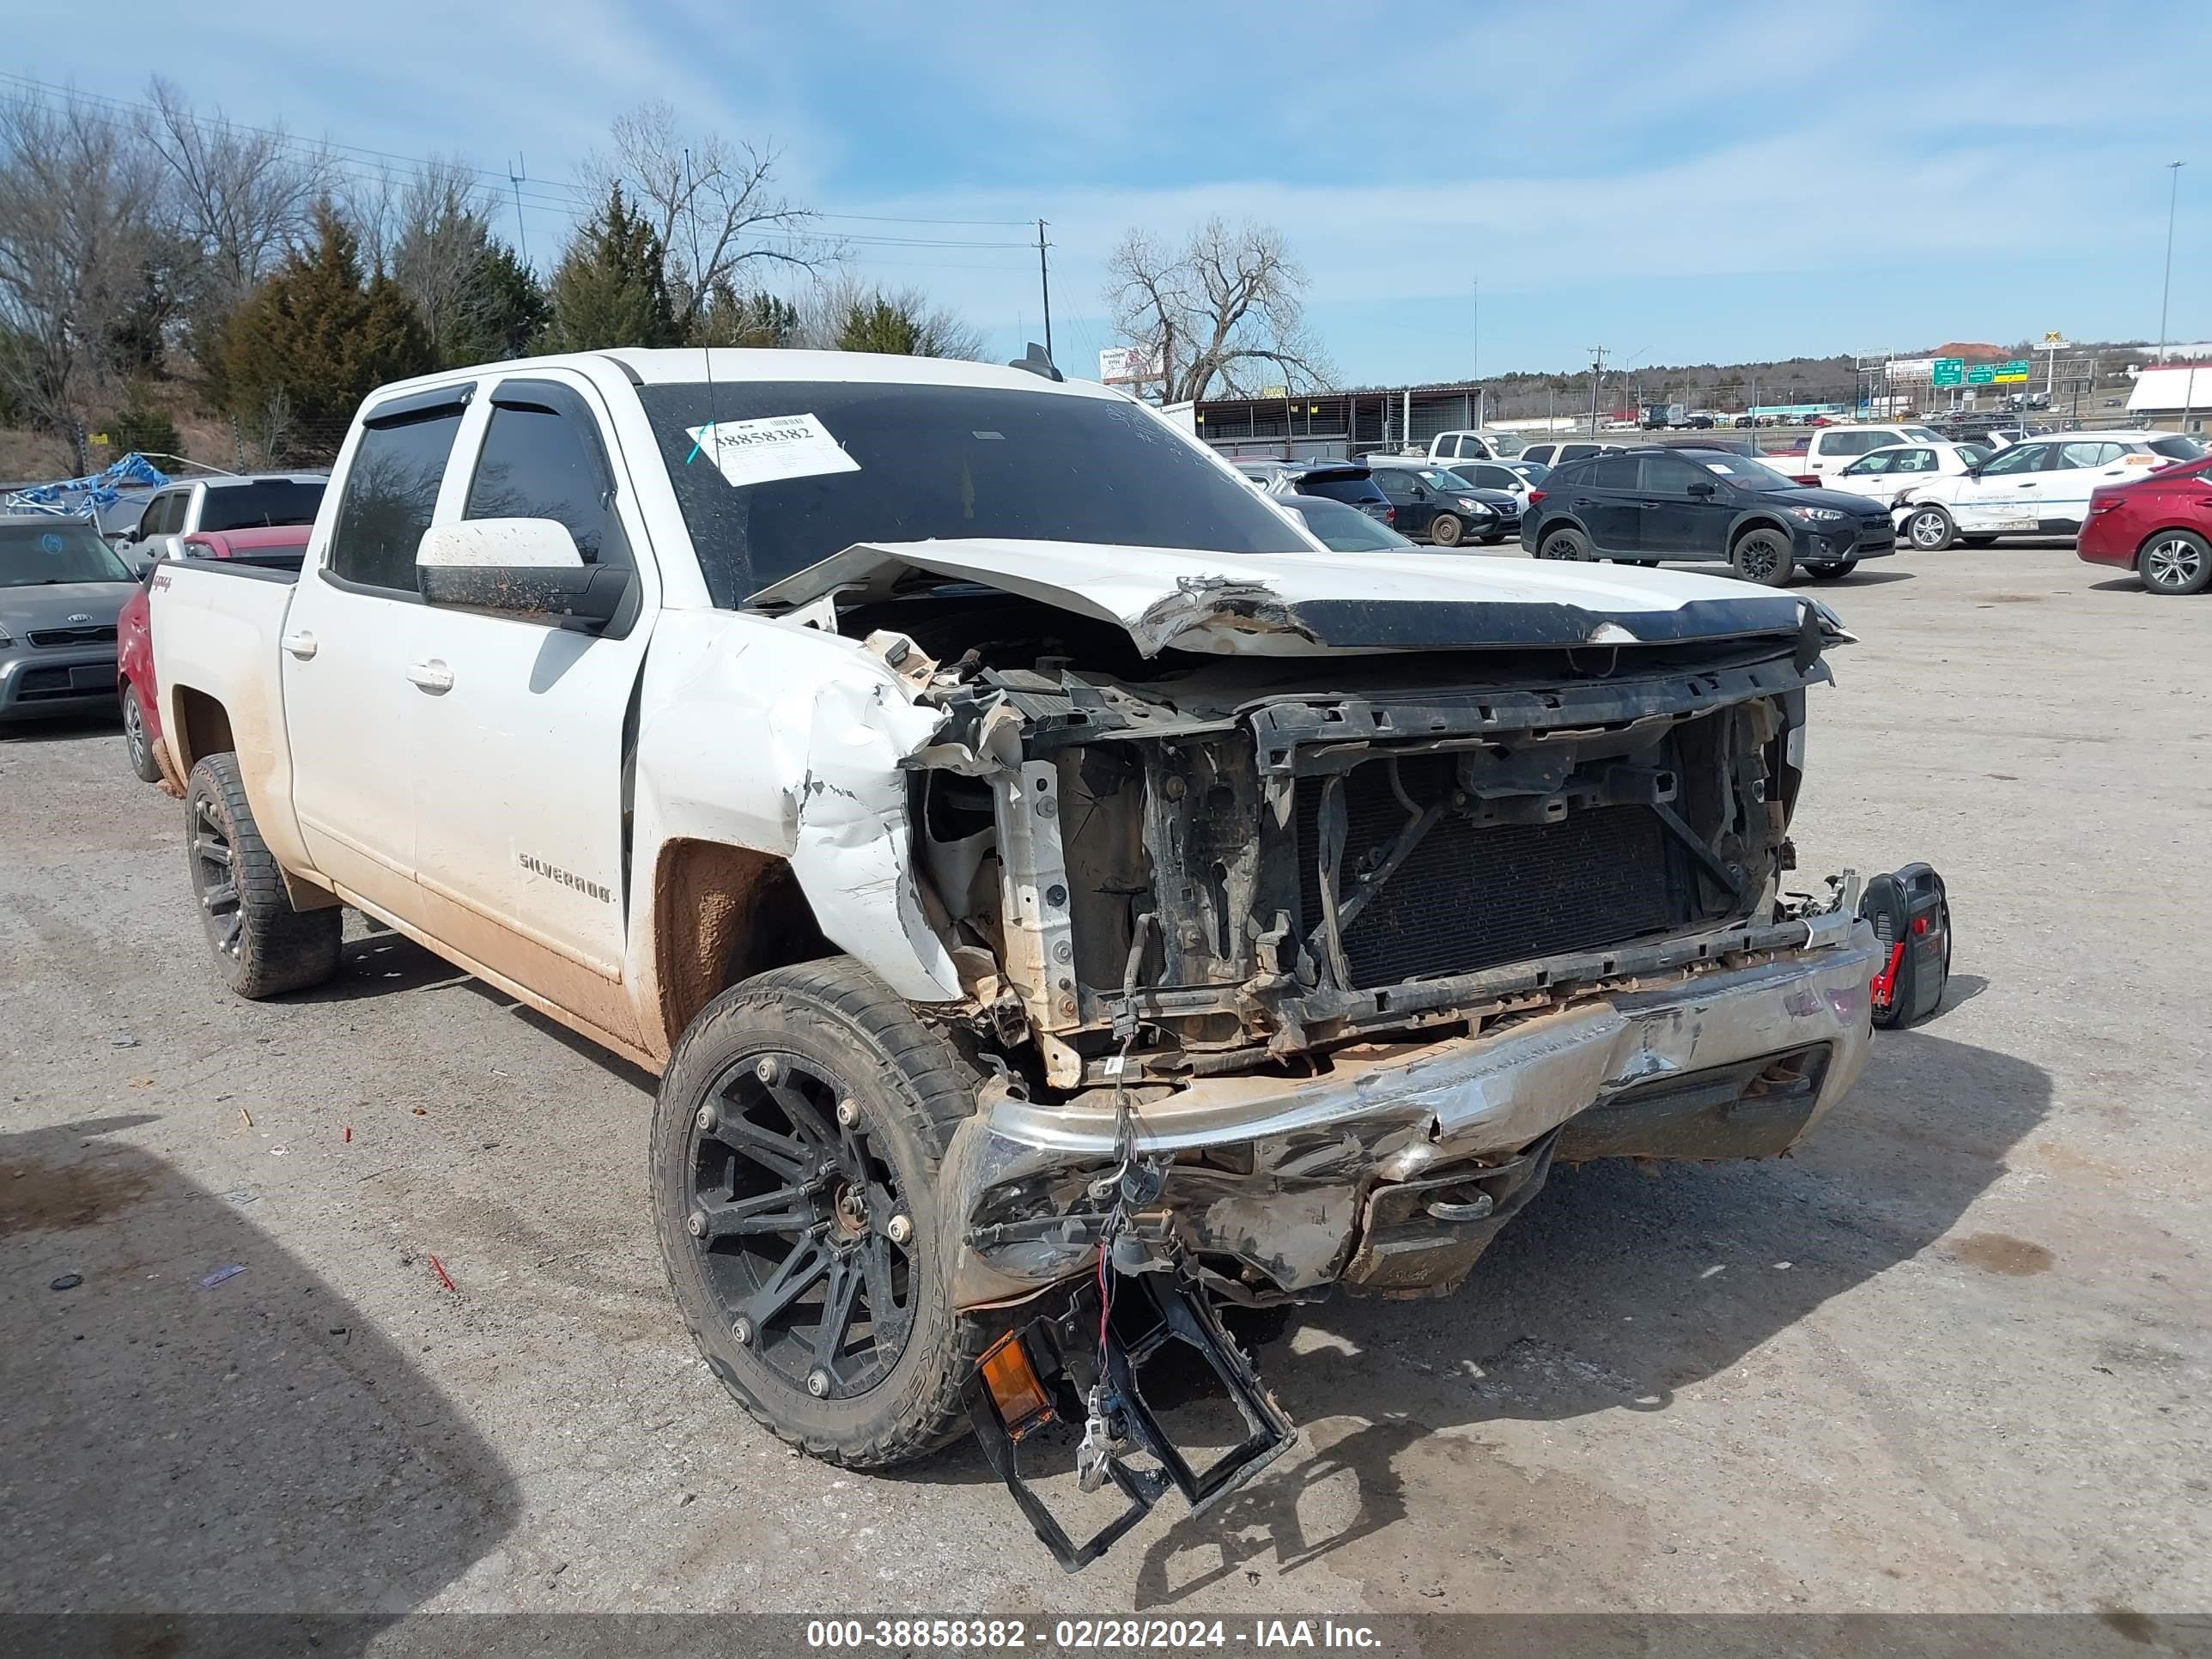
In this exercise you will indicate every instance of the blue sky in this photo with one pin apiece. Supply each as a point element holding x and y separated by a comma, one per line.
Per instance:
<point>1678,182</point>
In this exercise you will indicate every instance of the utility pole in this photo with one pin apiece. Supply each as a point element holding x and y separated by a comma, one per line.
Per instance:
<point>1597,370</point>
<point>2172,196</point>
<point>515,175</point>
<point>1044,285</point>
<point>1476,366</point>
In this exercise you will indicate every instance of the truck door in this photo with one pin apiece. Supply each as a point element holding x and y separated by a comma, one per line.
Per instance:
<point>343,657</point>
<point>520,723</point>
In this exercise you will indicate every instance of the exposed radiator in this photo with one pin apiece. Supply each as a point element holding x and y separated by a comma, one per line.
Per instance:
<point>1469,897</point>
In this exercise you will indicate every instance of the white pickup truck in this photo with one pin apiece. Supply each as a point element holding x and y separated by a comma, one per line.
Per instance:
<point>1017,846</point>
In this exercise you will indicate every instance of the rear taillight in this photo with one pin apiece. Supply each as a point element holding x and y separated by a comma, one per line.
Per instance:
<point>1389,515</point>
<point>1534,496</point>
<point>2103,500</point>
<point>1810,480</point>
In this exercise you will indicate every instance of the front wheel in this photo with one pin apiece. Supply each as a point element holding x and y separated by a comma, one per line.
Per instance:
<point>1563,544</point>
<point>1445,529</point>
<point>2175,562</point>
<point>796,1141</point>
<point>263,947</point>
<point>1929,529</point>
<point>136,745</point>
<point>1764,557</point>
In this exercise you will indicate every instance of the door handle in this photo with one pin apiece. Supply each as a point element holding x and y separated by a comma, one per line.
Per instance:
<point>300,645</point>
<point>431,676</point>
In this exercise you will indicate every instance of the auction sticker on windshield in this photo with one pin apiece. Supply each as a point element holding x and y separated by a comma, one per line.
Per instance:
<point>766,451</point>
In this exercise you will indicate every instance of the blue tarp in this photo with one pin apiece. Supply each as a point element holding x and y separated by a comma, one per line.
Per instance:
<point>82,498</point>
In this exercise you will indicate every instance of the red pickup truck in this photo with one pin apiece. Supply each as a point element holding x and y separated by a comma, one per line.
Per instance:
<point>283,546</point>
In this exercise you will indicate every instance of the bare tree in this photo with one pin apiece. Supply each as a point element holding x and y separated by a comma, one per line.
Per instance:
<point>1223,311</point>
<point>245,196</point>
<point>442,232</point>
<point>77,195</point>
<point>713,203</point>
<point>843,314</point>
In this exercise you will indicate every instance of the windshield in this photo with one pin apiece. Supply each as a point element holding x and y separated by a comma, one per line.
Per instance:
<point>1535,471</point>
<point>258,505</point>
<point>1437,478</point>
<point>1345,529</point>
<point>57,550</point>
<point>775,475</point>
<point>1744,473</point>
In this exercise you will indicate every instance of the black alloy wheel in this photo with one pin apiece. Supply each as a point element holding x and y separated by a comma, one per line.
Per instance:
<point>799,1227</point>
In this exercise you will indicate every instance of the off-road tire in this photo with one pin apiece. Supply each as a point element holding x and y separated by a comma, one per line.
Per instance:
<point>136,746</point>
<point>1563,544</point>
<point>1829,573</point>
<point>273,948</point>
<point>913,1088</point>
<point>1764,556</point>
<point>1447,528</point>
<point>2175,562</point>
<point>1929,529</point>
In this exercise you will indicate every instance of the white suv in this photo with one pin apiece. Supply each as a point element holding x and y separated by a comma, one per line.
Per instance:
<point>2039,487</point>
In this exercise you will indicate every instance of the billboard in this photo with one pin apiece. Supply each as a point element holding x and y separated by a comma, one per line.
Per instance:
<point>1909,368</point>
<point>1125,365</point>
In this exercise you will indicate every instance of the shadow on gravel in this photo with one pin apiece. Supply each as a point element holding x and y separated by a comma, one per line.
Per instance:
<point>62,729</point>
<point>251,1446</point>
<point>1612,1290</point>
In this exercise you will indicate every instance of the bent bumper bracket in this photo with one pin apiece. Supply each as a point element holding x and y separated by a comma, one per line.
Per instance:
<point>1151,1311</point>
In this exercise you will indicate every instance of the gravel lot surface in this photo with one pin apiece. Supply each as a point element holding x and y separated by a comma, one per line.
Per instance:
<point>1953,1356</point>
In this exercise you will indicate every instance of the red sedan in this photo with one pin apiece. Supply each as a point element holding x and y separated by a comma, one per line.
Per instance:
<point>284,546</point>
<point>2159,527</point>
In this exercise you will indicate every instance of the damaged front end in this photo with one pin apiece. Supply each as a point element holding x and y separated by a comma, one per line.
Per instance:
<point>1303,933</point>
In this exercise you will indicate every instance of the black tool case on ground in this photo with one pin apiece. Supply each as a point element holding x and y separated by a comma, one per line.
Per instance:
<point>1911,919</point>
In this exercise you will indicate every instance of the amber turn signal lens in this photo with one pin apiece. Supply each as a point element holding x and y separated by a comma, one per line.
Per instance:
<point>1022,1401</point>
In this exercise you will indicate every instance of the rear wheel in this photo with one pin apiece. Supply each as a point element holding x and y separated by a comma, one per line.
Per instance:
<point>263,947</point>
<point>1446,529</point>
<point>1929,529</point>
<point>1828,573</point>
<point>796,1142</point>
<point>1563,544</point>
<point>1765,557</point>
<point>136,744</point>
<point>2175,562</point>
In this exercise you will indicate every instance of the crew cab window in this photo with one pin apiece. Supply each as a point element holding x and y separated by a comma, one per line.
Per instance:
<point>1851,443</point>
<point>164,514</point>
<point>542,459</point>
<point>390,492</point>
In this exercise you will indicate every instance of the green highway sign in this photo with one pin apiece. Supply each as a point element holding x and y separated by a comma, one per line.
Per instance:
<point>1981,374</point>
<point>2016,370</point>
<point>1948,371</point>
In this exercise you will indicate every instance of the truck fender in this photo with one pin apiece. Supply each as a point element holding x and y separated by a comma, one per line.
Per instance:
<point>768,735</point>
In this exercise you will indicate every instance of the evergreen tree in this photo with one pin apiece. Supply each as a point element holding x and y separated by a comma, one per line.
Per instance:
<point>730,318</point>
<point>505,310</point>
<point>876,325</point>
<point>612,287</point>
<point>316,339</point>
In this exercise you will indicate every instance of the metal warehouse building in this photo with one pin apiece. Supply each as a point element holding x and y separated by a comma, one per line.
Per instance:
<point>1333,425</point>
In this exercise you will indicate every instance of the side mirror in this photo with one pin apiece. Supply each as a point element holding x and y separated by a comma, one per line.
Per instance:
<point>523,567</point>
<point>1704,490</point>
<point>1419,494</point>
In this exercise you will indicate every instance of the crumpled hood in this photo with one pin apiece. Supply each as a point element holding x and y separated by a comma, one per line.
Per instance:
<point>1311,603</point>
<point>56,604</point>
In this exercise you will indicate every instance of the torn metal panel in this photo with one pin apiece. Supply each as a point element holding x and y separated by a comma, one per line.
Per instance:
<point>779,738</point>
